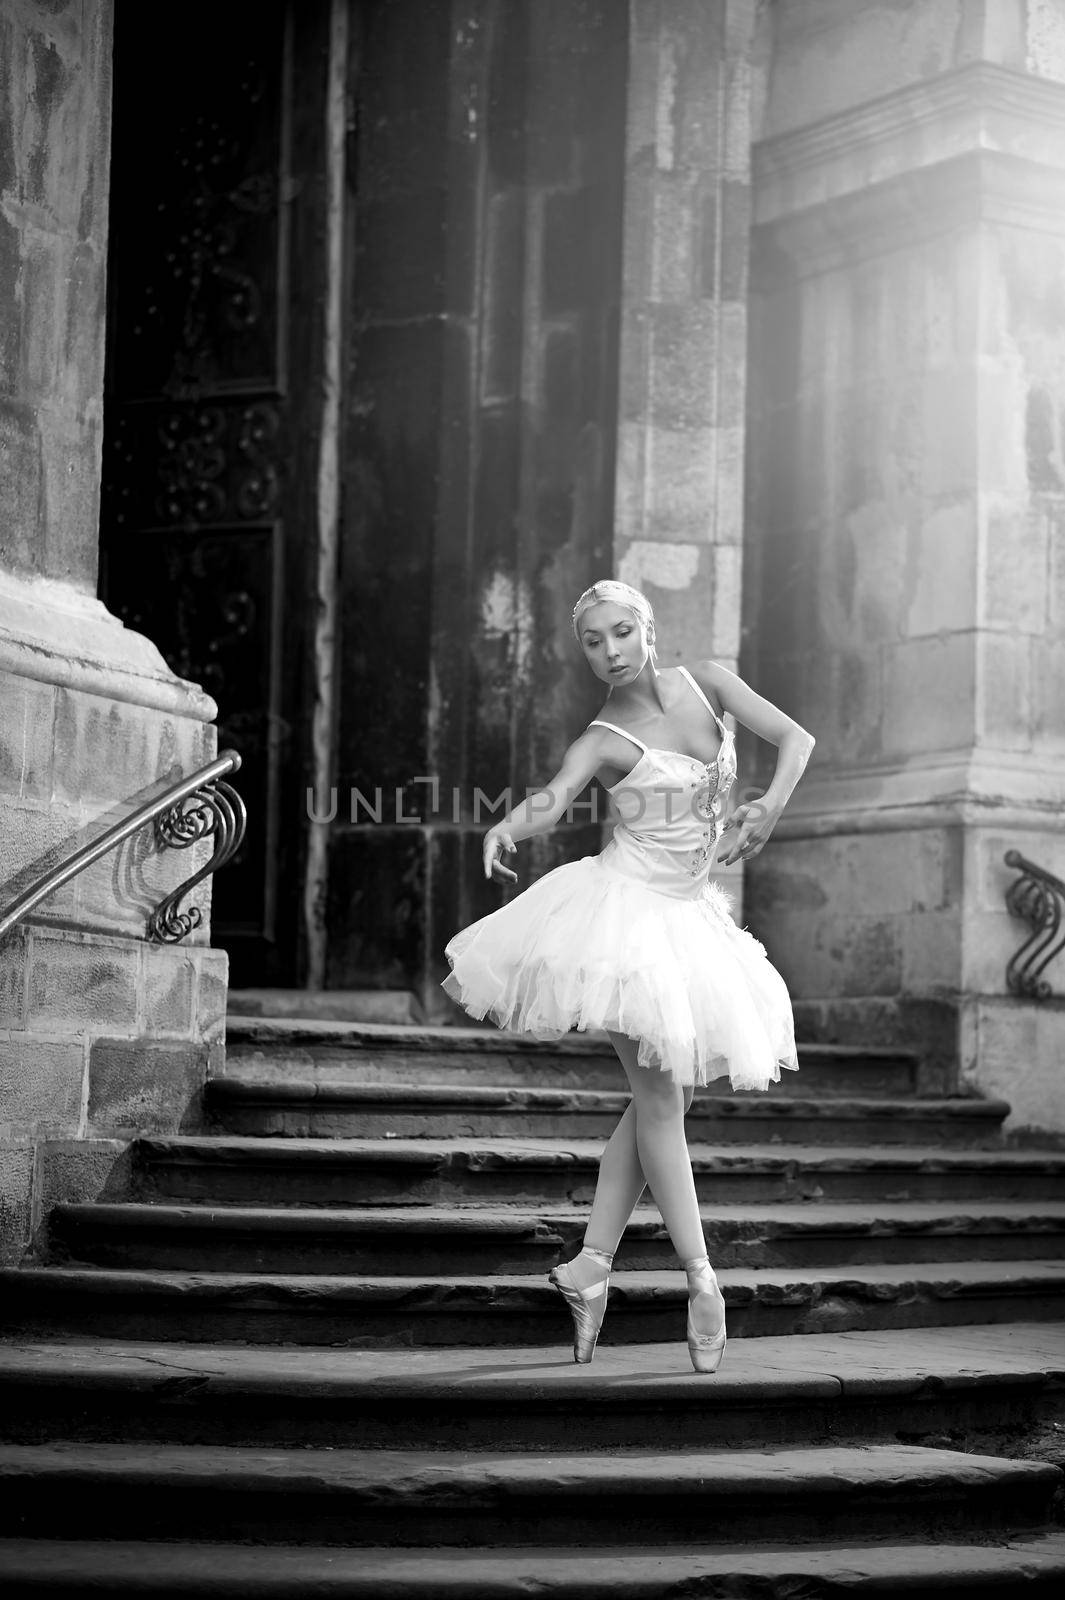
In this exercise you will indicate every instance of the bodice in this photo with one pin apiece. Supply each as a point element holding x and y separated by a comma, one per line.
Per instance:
<point>670,810</point>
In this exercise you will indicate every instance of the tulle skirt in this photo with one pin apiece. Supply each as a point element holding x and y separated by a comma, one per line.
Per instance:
<point>585,947</point>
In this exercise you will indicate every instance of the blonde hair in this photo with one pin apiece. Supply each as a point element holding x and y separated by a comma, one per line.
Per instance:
<point>623,594</point>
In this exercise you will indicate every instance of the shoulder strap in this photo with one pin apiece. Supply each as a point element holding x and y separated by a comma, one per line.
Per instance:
<point>597,722</point>
<point>703,698</point>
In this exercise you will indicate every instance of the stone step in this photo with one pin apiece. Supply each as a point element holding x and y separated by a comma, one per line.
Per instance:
<point>487,1498</point>
<point>918,1570</point>
<point>256,1104</point>
<point>979,1389</point>
<point>388,1006</point>
<point>294,1171</point>
<point>367,1312</point>
<point>412,1240</point>
<point>369,1053</point>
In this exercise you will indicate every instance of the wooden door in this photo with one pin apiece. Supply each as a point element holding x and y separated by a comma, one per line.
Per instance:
<point>217,281</point>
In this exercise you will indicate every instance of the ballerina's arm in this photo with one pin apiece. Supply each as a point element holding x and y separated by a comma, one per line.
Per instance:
<point>755,821</point>
<point>541,810</point>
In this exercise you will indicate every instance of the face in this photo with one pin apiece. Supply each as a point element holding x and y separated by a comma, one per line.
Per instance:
<point>614,642</point>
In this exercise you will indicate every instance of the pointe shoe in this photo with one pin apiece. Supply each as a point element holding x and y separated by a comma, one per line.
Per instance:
<point>587,1305</point>
<point>707,1350</point>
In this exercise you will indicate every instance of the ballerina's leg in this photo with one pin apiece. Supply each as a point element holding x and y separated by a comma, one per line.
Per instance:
<point>657,1108</point>
<point>618,1188</point>
<point>659,1104</point>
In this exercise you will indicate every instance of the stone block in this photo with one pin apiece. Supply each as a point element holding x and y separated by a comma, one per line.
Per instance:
<point>726,567</point>
<point>681,481</point>
<point>862,592</point>
<point>991,877</point>
<point>682,364</point>
<point>21,470</point>
<point>212,989</point>
<point>79,982</point>
<point>912,871</point>
<point>1019,1048</point>
<point>109,750</point>
<point>17,1169</point>
<point>36,839</point>
<point>137,1083</point>
<point>27,710</point>
<point>12,733</point>
<point>41,1082</point>
<point>38,742</point>
<point>59,155</point>
<point>1014,595</point>
<point>725,246</point>
<point>71,543</point>
<point>630,508</point>
<point>119,892</point>
<point>642,112</point>
<point>1002,435</point>
<point>855,53</point>
<point>991,938</point>
<point>1047,681</point>
<point>167,985</point>
<point>893,873</point>
<point>676,262</point>
<point>13,979</point>
<point>929,695</point>
<point>1040,443</point>
<point>1004,689</point>
<point>1056,588</point>
<point>640,245</point>
<point>932,952</point>
<point>941,591</point>
<point>676,578</point>
<point>785,879</point>
<point>729,495</point>
<point>10,267</point>
<point>111,895</point>
<point>79,1171</point>
<point>858,700</point>
<point>948,421</point>
<point>732,363</point>
<point>834,954</point>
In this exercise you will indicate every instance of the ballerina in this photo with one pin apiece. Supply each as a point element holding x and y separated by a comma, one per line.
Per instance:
<point>637,941</point>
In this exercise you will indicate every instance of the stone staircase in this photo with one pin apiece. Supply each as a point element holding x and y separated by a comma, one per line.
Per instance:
<point>314,1351</point>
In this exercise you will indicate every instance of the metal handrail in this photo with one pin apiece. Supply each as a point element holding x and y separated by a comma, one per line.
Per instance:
<point>1037,896</point>
<point>217,809</point>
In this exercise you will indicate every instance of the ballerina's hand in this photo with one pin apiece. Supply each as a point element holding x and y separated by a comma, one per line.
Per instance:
<point>753,823</point>
<point>494,842</point>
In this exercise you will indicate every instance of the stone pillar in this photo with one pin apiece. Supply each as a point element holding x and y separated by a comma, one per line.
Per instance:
<point>100,1033</point>
<point>679,519</point>
<point>906,483</point>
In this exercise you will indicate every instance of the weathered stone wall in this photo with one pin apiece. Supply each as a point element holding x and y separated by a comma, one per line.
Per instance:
<point>479,452</point>
<point>99,1033</point>
<point>54,145</point>
<point>679,525</point>
<point>904,498</point>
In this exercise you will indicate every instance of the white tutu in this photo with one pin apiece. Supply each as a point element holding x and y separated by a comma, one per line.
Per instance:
<point>588,947</point>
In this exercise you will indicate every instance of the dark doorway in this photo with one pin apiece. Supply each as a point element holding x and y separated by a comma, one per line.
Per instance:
<point>217,278</point>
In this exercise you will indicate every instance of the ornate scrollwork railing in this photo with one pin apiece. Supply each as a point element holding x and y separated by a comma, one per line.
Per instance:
<point>1039,898</point>
<point>192,809</point>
